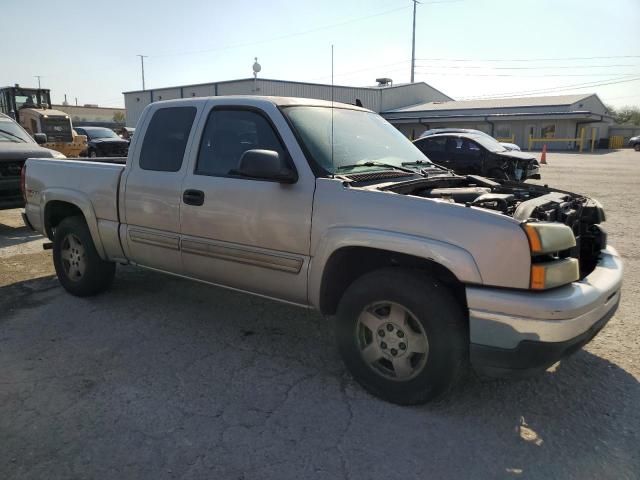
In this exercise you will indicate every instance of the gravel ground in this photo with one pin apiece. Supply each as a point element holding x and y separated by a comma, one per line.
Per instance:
<point>164,378</point>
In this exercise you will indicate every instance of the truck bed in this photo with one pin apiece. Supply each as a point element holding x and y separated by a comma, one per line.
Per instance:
<point>95,180</point>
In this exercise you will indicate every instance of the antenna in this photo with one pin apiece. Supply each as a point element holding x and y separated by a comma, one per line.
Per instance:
<point>332,98</point>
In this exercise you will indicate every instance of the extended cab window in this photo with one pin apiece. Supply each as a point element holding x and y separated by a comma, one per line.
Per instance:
<point>166,139</point>
<point>230,133</point>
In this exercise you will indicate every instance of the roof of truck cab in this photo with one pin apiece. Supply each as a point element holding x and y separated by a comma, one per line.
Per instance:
<point>47,111</point>
<point>256,99</point>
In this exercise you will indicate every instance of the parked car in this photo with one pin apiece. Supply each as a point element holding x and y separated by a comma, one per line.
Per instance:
<point>334,209</point>
<point>16,145</point>
<point>127,133</point>
<point>474,154</point>
<point>434,131</point>
<point>103,142</point>
<point>635,143</point>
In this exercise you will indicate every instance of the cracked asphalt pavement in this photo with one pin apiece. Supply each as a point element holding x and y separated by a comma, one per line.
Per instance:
<point>162,378</point>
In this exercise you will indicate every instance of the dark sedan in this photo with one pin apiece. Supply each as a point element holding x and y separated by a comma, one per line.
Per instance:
<point>474,154</point>
<point>103,142</point>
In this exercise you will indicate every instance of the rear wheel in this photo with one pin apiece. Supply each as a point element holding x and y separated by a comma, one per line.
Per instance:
<point>93,154</point>
<point>80,269</point>
<point>402,335</point>
<point>636,147</point>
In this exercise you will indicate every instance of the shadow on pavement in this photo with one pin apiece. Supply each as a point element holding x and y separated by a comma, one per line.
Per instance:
<point>166,375</point>
<point>10,235</point>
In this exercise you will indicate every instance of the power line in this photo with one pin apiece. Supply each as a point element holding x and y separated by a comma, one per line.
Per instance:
<point>539,67</point>
<point>350,72</point>
<point>290,35</point>
<point>542,75</point>
<point>576,86</point>
<point>524,59</point>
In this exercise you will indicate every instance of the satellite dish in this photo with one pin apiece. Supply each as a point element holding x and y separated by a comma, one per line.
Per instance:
<point>256,67</point>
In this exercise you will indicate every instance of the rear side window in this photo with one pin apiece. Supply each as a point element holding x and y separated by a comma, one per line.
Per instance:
<point>166,139</point>
<point>230,133</point>
<point>433,144</point>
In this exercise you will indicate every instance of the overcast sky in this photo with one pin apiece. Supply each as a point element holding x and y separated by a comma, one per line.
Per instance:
<point>465,48</point>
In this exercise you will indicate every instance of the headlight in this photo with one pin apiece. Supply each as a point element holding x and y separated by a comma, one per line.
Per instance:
<point>549,237</point>
<point>545,239</point>
<point>554,273</point>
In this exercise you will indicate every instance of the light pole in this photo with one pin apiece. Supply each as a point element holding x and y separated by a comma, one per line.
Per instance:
<point>38,77</point>
<point>142,57</point>
<point>413,42</point>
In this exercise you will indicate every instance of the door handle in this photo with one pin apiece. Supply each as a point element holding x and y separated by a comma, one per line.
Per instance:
<point>193,197</point>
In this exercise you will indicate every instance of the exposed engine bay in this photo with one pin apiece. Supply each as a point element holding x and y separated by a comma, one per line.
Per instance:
<point>523,202</point>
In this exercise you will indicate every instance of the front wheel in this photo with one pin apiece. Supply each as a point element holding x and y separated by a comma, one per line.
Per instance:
<point>402,335</point>
<point>636,147</point>
<point>80,269</point>
<point>93,154</point>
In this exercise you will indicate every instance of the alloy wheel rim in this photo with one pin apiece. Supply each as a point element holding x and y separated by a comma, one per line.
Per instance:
<point>74,258</point>
<point>391,341</point>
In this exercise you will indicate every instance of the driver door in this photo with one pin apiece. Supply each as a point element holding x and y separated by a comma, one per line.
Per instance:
<point>249,234</point>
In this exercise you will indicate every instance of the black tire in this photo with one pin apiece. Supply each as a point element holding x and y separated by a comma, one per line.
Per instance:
<point>97,274</point>
<point>498,174</point>
<point>636,147</point>
<point>92,153</point>
<point>441,317</point>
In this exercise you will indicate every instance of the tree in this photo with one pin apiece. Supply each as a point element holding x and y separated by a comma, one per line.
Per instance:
<point>625,115</point>
<point>118,117</point>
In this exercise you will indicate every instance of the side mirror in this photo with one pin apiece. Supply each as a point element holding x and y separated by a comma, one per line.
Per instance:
<point>265,165</point>
<point>40,138</point>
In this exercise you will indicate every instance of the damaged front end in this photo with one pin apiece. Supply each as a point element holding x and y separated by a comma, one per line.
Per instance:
<point>526,203</point>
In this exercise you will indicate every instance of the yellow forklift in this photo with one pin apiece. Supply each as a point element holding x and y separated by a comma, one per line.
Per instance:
<point>31,107</point>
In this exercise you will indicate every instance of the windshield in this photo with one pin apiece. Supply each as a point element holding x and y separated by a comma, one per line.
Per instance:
<point>13,133</point>
<point>489,143</point>
<point>359,138</point>
<point>100,133</point>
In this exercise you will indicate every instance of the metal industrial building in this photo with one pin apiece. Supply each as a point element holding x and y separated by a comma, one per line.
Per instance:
<point>379,98</point>
<point>416,107</point>
<point>513,119</point>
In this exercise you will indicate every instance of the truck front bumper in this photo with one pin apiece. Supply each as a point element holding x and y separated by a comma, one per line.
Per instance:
<point>516,332</point>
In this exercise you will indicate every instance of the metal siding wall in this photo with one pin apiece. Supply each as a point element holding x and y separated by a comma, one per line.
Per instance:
<point>406,95</point>
<point>134,107</point>
<point>591,104</point>
<point>166,94</point>
<point>207,90</point>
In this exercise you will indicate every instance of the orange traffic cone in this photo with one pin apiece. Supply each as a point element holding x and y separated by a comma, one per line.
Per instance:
<point>543,157</point>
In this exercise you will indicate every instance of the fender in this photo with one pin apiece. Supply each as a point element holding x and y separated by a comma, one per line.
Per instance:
<point>80,200</point>
<point>458,260</point>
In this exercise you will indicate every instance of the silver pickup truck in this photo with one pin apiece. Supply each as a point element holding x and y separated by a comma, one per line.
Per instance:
<point>427,272</point>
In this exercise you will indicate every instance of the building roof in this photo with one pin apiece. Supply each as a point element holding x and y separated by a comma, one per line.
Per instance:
<point>376,87</point>
<point>548,101</point>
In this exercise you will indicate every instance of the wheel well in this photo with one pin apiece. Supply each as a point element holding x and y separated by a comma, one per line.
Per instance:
<point>55,212</point>
<point>347,264</point>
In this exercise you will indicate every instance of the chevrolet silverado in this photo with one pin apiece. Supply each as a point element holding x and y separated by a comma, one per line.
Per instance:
<point>328,206</point>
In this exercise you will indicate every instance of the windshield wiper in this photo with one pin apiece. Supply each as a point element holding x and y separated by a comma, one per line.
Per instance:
<point>22,140</point>
<point>419,162</point>
<point>375,164</point>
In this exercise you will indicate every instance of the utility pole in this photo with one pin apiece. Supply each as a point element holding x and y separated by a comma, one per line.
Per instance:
<point>413,43</point>
<point>38,77</point>
<point>142,57</point>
